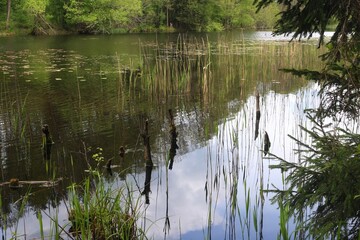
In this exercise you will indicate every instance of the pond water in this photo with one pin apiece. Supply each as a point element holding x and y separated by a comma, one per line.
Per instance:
<point>96,91</point>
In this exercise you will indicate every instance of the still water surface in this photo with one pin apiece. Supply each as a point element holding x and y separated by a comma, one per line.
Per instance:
<point>96,91</point>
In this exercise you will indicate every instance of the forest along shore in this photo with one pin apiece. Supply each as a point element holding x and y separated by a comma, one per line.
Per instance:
<point>51,17</point>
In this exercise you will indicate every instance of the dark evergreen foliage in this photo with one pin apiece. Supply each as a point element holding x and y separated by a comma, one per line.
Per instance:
<point>327,179</point>
<point>340,83</point>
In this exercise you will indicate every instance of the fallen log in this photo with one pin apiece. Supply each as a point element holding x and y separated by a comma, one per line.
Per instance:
<point>16,183</point>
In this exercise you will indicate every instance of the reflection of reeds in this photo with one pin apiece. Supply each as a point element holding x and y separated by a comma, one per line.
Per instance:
<point>174,69</point>
<point>192,66</point>
<point>16,103</point>
<point>6,221</point>
<point>16,122</point>
<point>238,164</point>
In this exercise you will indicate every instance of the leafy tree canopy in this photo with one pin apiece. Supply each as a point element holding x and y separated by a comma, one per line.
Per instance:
<point>102,16</point>
<point>108,16</point>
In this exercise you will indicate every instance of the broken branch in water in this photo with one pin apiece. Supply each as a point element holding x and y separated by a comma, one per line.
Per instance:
<point>16,183</point>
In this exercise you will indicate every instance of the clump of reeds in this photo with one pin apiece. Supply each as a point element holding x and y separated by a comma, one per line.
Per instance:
<point>97,211</point>
<point>176,68</point>
<point>101,213</point>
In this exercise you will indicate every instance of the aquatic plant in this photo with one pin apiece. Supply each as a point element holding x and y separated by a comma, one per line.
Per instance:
<point>97,210</point>
<point>102,213</point>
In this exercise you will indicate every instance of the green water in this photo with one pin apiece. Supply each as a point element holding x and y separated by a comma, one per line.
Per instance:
<point>96,91</point>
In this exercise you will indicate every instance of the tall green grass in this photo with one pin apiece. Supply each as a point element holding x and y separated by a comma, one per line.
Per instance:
<point>99,212</point>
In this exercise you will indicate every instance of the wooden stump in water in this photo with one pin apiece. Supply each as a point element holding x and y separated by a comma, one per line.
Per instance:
<point>108,165</point>
<point>47,142</point>
<point>122,152</point>
<point>146,139</point>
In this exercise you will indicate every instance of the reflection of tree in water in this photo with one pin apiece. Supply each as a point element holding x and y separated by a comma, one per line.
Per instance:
<point>147,189</point>
<point>46,142</point>
<point>148,161</point>
<point>267,142</point>
<point>258,114</point>
<point>173,136</point>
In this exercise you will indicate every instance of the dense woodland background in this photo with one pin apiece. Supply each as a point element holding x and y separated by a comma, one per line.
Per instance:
<point>115,16</point>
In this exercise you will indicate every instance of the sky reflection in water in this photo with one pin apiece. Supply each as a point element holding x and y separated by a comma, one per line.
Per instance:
<point>188,209</point>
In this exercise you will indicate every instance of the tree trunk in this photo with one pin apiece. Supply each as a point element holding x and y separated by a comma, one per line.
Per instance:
<point>8,14</point>
<point>167,16</point>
